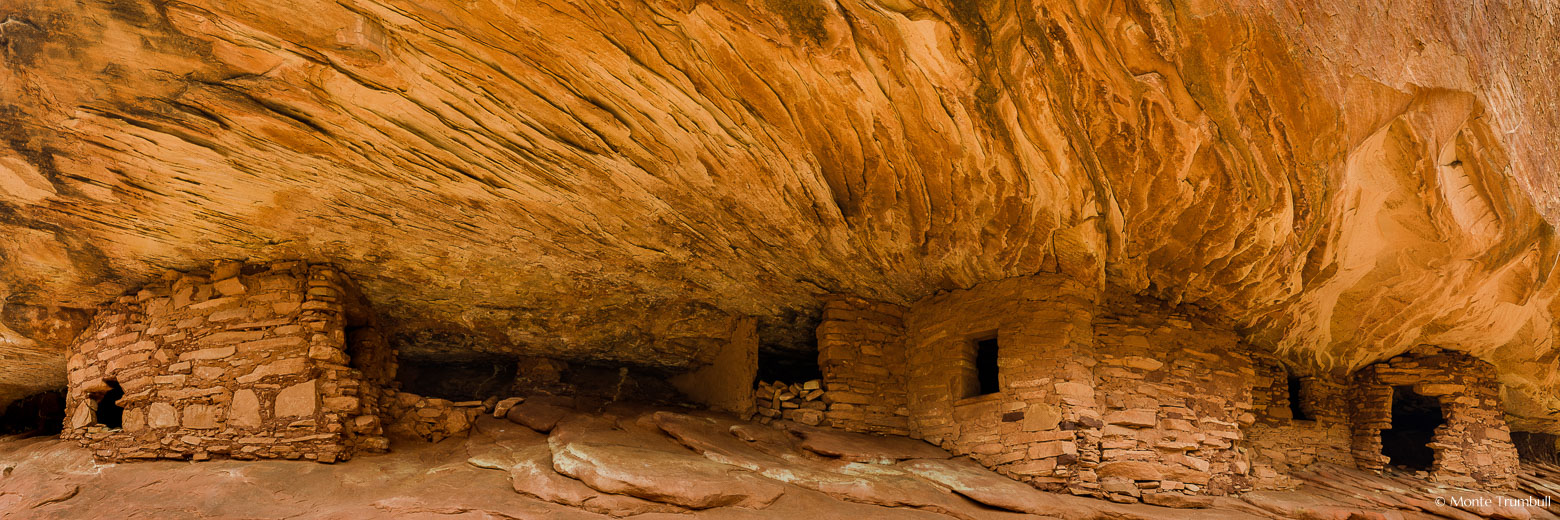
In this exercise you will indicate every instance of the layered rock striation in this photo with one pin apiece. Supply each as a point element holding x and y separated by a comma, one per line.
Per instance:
<point>626,181</point>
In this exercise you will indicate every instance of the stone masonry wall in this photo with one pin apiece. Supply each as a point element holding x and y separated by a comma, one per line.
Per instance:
<point>1127,399</point>
<point>1174,393</point>
<point>428,418</point>
<point>861,352</point>
<point>726,381</point>
<point>1042,426</point>
<point>1279,444</point>
<point>1472,448</point>
<point>244,362</point>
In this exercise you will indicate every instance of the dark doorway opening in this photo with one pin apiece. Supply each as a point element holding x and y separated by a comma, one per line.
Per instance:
<point>109,413</point>
<point>788,366</point>
<point>1296,411</point>
<point>788,346</point>
<point>369,353</point>
<point>1414,420</point>
<point>986,366</point>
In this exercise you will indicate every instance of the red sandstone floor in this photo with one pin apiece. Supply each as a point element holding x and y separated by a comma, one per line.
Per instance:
<point>47,478</point>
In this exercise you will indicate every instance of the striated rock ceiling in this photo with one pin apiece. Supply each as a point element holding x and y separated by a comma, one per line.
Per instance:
<point>615,181</point>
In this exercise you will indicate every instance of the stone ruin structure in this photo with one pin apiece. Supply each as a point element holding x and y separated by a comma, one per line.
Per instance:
<point>283,360</point>
<point>1300,420</point>
<point>1054,383</point>
<point>273,361</point>
<point>1466,441</point>
<point>1041,378</point>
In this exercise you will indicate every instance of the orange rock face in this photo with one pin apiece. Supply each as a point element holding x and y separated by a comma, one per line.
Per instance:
<point>622,181</point>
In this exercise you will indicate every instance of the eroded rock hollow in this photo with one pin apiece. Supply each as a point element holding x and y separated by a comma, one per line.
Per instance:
<point>1151,252</point>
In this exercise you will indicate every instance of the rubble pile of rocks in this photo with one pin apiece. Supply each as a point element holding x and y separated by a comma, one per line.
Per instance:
<point>800,402</point>
<point>430,418</point>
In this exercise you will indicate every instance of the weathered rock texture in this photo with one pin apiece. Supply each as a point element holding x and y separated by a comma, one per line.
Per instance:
<point>32,341</point>
<point>621,180</point>
<point>246,362</point>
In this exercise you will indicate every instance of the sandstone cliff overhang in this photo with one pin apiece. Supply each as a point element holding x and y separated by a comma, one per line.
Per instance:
<point>623,181</point>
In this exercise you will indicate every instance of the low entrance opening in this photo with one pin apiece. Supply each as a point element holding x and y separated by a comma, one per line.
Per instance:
<point>1414,420</point>
<point>109,413</point>
<point>775,365</point>
<point>788,346</point>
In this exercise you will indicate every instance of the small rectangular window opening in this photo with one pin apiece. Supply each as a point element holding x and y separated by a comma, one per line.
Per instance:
<point>1296,412</point>
<point>986,366</point>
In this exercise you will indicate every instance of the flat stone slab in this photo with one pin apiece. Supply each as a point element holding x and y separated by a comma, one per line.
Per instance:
<point>655,468</point>
<point>1178,500</point>
<point>863,447</point>
<point>774,454</point>
<point>970,479</point>
<point>524,455</point>
<point>540,413</point>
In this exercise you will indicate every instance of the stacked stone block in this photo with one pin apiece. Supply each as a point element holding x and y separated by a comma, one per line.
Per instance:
<point>797,402</point>
<point>1129,399</point>
<point>242,361</point>
<point>1279,444</point>
<point>1041,426</point>
<point>861,352</point>
<point>1174,393</point>
<point>1472,448</point>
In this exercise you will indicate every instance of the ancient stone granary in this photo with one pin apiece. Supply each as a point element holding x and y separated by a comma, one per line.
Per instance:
<point>1065,386</point>
<point>1472,445</point>
<point>273,361</point>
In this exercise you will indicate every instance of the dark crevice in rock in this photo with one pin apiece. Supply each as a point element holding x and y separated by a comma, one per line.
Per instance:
<point>42,413</point>
<point>462,378</point>
<point>1536,447</point>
